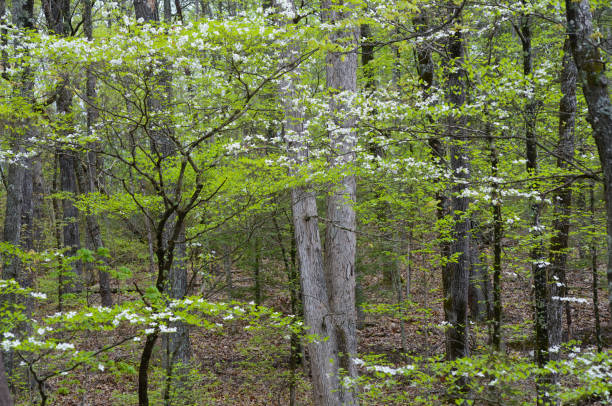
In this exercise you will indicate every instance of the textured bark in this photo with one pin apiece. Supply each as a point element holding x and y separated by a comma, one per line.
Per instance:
<point>478,289</point>
<point>257,271</point>
<point>5,393</point>
<point>456,273</point>
<point>167,12</point>
<point>592,76</point>
<point>17,229</point>
<point>426,71</point>
<point>12,234</point>
<point>498,233</point>
<point>594,274</point>
<point>14,207</point>
<point>318,315</point>
<point>70,214</point>
<point>227,270</point>
<point>147,10</point>
<point>58,15</point>
<point>538,268</point>
<point>340,238</point>
<point>559,243</point>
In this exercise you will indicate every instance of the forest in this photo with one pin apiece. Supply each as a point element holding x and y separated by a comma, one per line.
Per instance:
<point>313,202</point>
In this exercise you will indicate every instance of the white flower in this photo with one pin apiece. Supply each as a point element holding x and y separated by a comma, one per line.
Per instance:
<point>165,329</point>
<point>64,346</point>
<point>38,295</point>
<point>101,367</point>
<point>149,331</point>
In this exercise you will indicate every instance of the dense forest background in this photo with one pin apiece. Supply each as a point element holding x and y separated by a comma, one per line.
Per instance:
<point>333,202</point>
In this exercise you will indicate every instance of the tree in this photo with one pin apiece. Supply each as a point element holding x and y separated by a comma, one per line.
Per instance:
<point>594,83</point>
<point>456,272</point>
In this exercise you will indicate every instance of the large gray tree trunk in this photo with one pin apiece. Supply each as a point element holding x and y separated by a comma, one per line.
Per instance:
<point>318,315</point>
<point>18,211</point>
<point>562,203</point>
<point>456,273</point>
<point>340,238</point>
<point>592,76</point>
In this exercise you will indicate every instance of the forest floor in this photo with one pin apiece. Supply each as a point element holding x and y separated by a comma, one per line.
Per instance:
<point>237,367</point>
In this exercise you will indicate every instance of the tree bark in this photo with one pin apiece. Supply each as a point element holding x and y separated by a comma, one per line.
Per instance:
<point>478,291</point>
<point>17,228</point>
<point>318,315</point>
<point>498,233</point>
<point>5,393</point>
<point>58,16</point>
<point>592,76</point>
<point>559,243</point>
<point>538,267</point>
<point>456,273</point>
<point>340,238</point>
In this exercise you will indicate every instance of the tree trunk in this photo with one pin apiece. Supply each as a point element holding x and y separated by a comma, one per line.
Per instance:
<point>456,273</point>
<point>559,243</point>
<point>93,227</point>
<point>227,270</point>
<point>478,291</point>
<point>592,76</point>
<point>318,315</point>
<point>340,238</point>
<point>538,267</point>
<point>58,16</point>
<point>5,393</point>
<point>170,234</point>
<point>594,274</point>
<point>257,271</point>
<point>17,228</point>
<point>498,233</point>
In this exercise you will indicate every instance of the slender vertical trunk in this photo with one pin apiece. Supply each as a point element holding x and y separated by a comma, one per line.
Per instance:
<point>5,392</point>
<point>295,347</point>
<point>498,233</point>
<point>594,274</point>
<point>592,76</point>
<point>478,290</point>
<point>92,223</point>
<point>170,243</point>
<point>58,15</point>
<point>456,273</point>
<point>563,200</point>
<point>227,269</point>
<point>167,12</point>
<point>257,270</point>
<point>538,267</point>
